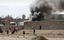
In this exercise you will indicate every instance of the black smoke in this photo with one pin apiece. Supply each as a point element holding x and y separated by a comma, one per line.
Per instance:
<point>62,5</point>
<point>41,8</point>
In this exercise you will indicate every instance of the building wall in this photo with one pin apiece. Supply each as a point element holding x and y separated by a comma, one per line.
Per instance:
<point>46,25</point>
<point>50,25</point>
<point>7,21</point>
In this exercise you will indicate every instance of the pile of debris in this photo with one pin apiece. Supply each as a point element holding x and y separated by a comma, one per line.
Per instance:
<point>39,38</point>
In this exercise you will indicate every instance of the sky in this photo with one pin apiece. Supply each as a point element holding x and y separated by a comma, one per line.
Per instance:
<point>15,8</point>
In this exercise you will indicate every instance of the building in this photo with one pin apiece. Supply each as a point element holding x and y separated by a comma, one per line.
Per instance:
<point>11,21</point>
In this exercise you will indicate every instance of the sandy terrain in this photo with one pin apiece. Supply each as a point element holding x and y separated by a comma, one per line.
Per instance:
<point>24,38</point>
<point>49,34</point>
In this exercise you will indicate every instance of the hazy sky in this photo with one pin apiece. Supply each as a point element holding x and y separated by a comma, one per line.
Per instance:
<point>15,8</point>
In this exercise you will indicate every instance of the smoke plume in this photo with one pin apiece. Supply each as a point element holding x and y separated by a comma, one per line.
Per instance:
<point>43,8</point>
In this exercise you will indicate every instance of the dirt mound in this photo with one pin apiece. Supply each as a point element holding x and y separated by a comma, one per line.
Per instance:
<point>39,38</point>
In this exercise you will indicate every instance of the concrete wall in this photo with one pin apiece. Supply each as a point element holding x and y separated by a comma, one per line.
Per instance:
<point>50,25</point>
<point>46,25</point>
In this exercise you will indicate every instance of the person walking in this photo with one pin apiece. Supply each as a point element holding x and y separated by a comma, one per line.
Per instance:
<point>40,27</point>
<point>13,31</point>
<point>7,31</point>
<point>33,30</point>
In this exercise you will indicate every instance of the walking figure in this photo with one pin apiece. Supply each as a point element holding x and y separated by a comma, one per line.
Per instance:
<point>7,31</point>
<point>34,31</point>
<point>13,31</point>
<point>1,31</point>
<point>40,27</point>
<point>23,32</point>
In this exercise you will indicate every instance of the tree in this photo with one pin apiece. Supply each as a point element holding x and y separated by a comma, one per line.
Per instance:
<point>23,16</point>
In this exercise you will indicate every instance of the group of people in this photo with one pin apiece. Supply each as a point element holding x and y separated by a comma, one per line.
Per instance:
<point>8,31</point>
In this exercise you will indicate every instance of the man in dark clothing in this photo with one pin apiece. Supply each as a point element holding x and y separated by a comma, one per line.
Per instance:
<point>1,31</point>
<point>40,27</point>
<point>13,31</point>
<point>7,31</point>
<point>23,32</point>
<point>33,31</point>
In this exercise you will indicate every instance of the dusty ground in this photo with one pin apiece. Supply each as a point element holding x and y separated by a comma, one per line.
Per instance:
<point>49,34</point>
<point>24,38</point>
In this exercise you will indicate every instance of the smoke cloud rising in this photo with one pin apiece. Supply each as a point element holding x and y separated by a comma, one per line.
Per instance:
<point>41,9</point>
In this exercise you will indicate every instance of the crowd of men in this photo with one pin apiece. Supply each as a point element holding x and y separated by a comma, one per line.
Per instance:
<point>8,31</point>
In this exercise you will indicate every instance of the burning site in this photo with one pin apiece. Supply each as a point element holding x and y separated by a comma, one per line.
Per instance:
<point>41,20</point>
<point>42,9</point>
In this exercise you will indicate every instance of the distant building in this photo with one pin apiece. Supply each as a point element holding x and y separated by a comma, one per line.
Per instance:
<point>56,17</point>
<point>11,21</point>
